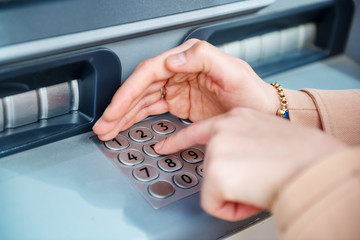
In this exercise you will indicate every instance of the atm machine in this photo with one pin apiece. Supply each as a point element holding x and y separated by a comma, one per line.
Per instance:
<point>61,62</point>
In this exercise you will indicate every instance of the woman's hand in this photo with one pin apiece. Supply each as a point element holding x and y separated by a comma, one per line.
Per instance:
<point>249,157</point>
<point>200,82</point>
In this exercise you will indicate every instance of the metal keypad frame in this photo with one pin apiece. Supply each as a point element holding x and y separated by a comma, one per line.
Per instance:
<point>149,173</point>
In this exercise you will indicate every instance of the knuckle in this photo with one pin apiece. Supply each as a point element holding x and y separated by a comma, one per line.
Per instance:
<point>202,47</point>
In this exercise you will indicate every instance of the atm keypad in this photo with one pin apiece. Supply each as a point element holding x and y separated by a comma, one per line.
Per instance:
<point>160,179</point>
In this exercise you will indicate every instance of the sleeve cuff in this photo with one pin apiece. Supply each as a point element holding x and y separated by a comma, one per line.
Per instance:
<point>302,109</point>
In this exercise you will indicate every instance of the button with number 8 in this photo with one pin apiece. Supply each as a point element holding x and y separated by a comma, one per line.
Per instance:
<point>170,164</point>
<point>131,157</point>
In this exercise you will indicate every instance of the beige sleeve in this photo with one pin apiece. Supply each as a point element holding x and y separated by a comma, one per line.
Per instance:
<point>310,207</point>
<point>337,112</point>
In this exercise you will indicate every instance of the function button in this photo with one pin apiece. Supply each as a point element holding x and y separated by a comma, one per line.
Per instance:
<point>149,150</point>
<point>118,143</point>
<point>192,155</point>
<point>170,164</point>
<point>185,180</point>
<point>161,189</point>
<point>145,173</point>
<point>140,134</point>
<point>163,127</point>
<point>131,157</point>
<point>199,170</point>
<point>185,121</point>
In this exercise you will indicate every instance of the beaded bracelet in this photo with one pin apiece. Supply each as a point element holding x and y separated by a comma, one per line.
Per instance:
<point>282,112</point>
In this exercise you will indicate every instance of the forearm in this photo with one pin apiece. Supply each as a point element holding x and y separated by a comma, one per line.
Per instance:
<point>329,209</point>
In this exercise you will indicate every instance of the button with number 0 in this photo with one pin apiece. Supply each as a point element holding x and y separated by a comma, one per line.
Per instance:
<point>192,155</point>
<point>163,127</point>
<point>131,157</point>
<point>145,173</point>
<point>170,164</point>
<point>140,134</point>
<point>185,180</point>
<point>118,143</point>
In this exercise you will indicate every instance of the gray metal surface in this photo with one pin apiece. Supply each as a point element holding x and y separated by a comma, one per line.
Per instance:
<point>139,157</point>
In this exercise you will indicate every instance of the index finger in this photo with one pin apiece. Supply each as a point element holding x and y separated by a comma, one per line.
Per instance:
<point>196,133</point>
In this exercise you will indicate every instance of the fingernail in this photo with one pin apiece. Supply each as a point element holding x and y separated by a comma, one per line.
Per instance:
<point>159,145</point>
<point>98,122</point>
<point>177,59</point>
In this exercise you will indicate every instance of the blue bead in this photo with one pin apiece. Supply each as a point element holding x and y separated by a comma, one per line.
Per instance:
<point>286,114</point>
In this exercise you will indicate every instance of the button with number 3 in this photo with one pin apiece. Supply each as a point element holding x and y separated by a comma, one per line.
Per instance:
<point>163,127</point>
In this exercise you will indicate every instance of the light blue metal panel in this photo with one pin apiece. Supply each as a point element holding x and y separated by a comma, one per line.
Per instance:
<point>336,73</point>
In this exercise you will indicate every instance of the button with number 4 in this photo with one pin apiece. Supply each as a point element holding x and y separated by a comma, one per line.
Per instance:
<point>163,127</point>
<point>145,173</point>
<point>192,155</point>
<point>131,157</point>
<point>170,164</point>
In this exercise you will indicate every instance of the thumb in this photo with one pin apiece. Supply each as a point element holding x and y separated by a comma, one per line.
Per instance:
<point>197,58</point>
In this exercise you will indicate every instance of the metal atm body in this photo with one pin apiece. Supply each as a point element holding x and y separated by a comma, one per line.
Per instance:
<point>60,64</point>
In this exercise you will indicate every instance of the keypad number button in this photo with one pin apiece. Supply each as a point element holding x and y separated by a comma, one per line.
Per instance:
<point>199,170</point>
<point>131,157</point>
<point>145,173</point>
<point>117,144</point>
<point>192,155</point>
<point>161,189</point>
<point>163,127</point>
<point>170,164</point>
<point>149,150</point>
<point>185,180</point>
<point>140,134</point>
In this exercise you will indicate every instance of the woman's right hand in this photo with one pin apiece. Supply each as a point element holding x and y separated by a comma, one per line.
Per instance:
<point>200,82</point>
